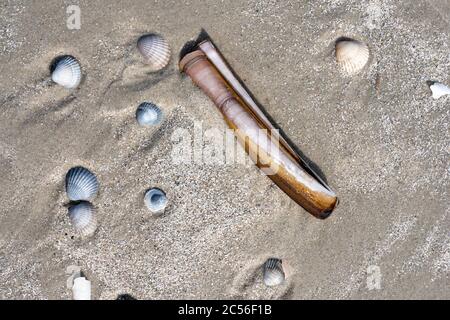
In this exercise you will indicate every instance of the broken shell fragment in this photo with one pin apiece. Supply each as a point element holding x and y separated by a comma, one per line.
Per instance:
<point>81,289</point>
<point>273,272</point>
<point>66,72</point>
<point>155,50</point>
<point>439,89</point>
<point>156,201</point>
<point>148,114</point>
<point>74,272</point>
<point>351,55</point>
<point>83,218</point>
<point>81,184</point>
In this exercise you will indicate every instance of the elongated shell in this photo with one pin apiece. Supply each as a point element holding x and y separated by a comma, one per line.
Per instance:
<point>155,50</point>
<point>439,89</point>
<point>156,201</point>
<point>148,114</point>
<point>81,184</point>
<point>67,72</point>
<point>83,218</point>
<point>273,272</point>
<point>351,55</point>
<point>283,166</point>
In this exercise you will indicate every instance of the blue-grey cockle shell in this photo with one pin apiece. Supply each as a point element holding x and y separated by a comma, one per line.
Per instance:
<point>81,184</point>
<point>148,114</point>
<point>155,50</point>
<point>83,218</point>
<point>67,72</point>
<point>156,201</point>
<point>273,273</point>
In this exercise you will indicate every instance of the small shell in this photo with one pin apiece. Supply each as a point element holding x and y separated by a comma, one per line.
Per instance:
<point>148,114</point>
<point>81,289</point>
<point>439,89</point>
<point>155,50</point>
<point>273,272</point>
<point>67,72</point>
<point>156,201</point>
<point>351,55</point>
<point>83,218</point>
<point>74,272</point>
<point>81,184</point>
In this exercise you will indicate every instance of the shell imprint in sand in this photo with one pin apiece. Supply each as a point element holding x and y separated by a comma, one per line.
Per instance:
<point>83,218</point>
<point>148,114</point>
<point>351,55</point>
<point>439,89</point>
<point>81,184</point>
<point>155,50</point>
<point>273,272</point>
<point>156,201</point>
<point>66,71</point>
<point>74,272</point>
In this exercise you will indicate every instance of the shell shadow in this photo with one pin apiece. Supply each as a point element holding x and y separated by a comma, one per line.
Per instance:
<point>343,38</point>
<point>311,167</point>
<point>48,109</point>
<point>125,296</point>
<point>155,78</point>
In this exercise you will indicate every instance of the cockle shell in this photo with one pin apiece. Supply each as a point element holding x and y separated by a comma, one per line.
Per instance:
<point>439,89</point>
<point>81,184</point>
<point>273,272</point>
<point>351,55</point>
<point>83,218</point>
<point>148,114</point>
<point>155,50</point>
<point>156,201</point>
<point>67,72</point>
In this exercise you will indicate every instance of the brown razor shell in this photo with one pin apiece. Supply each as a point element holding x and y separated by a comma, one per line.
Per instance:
<point>270,152</point>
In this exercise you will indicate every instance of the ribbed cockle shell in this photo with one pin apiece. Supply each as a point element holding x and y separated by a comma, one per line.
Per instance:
<point>83,218</point>
<point>155,50</point>
<point>351,55</point>
<point>148,114</point>
<point>67,72</point>
<point>273,272</point>
<point>81,184</point>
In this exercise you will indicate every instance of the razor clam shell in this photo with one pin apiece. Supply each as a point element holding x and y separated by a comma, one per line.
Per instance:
<point>148,114</point>
<point>273,272</point>
<point>155,50</point>
<point>439,89</point>
<point>293,178</point>
<point>81,184</point>
<point>83,218</point>
<point>156,201</point>
<point>67,72</point>
<point>351,55</point>
<point>219,62</point>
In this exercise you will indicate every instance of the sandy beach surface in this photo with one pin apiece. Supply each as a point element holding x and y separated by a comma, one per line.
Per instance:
<point>379,138</point>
